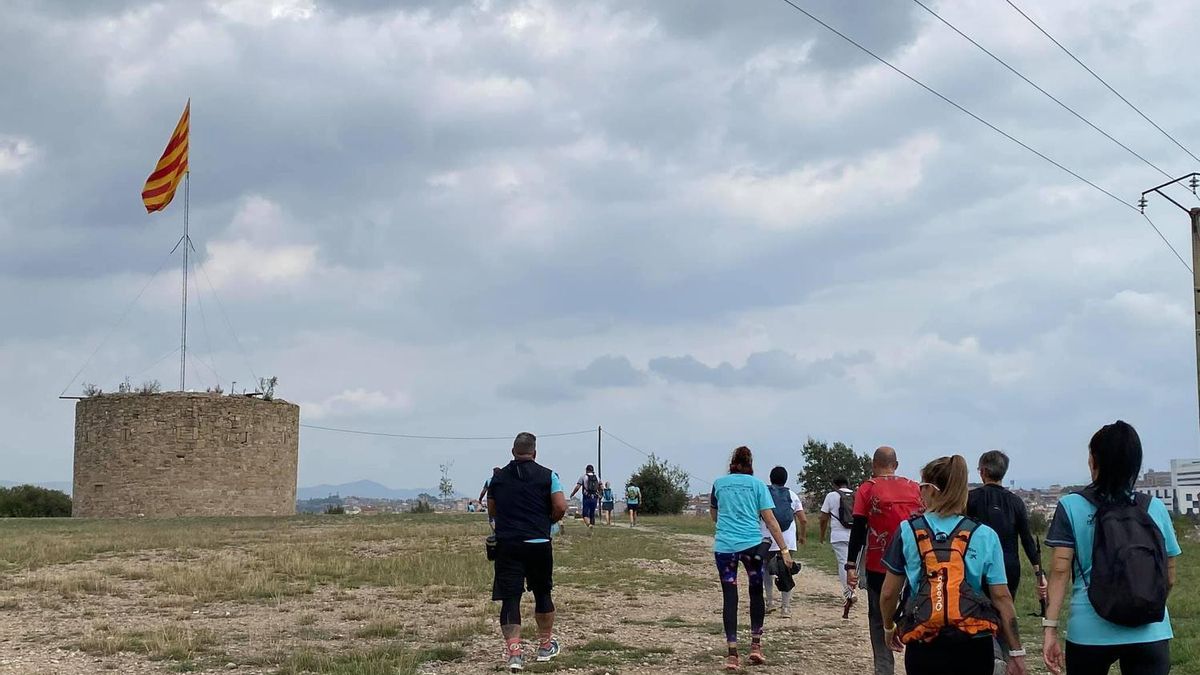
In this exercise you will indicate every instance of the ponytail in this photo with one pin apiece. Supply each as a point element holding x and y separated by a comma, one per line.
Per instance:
<point>949,475</point>
<point>742,461</point>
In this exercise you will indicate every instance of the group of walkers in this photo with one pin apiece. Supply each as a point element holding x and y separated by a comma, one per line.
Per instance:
<point>941,561</point>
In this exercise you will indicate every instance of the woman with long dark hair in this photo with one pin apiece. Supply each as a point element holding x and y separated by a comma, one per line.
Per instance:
<point>1100,534</point>
<point>739,503</point>
<point>948,560</point>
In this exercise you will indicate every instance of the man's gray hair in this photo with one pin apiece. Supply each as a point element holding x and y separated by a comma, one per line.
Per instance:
<point>994,465</point>
<point>524,444</point>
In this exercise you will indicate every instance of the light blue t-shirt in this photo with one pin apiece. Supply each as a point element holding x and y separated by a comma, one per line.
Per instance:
<point>555,486</point>
<point>1074,527</point>
<point>739,500</point>
<point>633,495</point>
<point>984,560</point>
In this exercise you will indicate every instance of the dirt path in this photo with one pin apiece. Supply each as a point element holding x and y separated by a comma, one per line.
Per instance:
<point>680,632</point>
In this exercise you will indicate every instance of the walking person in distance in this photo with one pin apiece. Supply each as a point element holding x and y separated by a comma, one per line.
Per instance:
<point>607,503</point>
<point>1117,549</point>
<point>789,514</point>
<point>880,505</point>
<point>590,484</point>
<point>740,502</point>
<point>948,560</point>
<point>633,502</point>
<point>837,515</point>
<point>525,498</point>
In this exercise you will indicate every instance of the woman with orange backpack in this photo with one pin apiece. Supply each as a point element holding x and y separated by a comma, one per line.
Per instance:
<point>947,559</point>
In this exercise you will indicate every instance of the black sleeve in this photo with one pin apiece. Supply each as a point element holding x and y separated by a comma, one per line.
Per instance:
<point>973,504</point>
<point>1021,520</point>
<point>858,538</point>
<point>712,498</point>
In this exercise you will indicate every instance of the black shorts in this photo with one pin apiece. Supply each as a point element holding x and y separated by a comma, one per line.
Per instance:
<point>520,566</point>
<point>632,507</point>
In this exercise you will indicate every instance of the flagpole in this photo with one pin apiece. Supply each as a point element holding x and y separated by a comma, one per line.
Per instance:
<point>187,244</point>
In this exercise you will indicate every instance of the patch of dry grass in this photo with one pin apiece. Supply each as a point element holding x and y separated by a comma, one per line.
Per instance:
<point>166,642</point>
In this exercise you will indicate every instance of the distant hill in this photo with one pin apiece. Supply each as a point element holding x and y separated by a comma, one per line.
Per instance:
<point>366,489</point>
<point>61,486</point>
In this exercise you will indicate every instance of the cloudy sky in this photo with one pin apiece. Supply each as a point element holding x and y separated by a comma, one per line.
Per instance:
<point>697,223</point>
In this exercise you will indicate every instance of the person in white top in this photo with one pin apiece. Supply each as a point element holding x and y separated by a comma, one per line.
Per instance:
<point>789,512</point>
<point>837,515</point>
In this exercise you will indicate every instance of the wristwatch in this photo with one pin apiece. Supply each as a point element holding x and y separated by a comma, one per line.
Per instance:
<point>1017,652</point>
<point>849,567</point>
<point>1049,623</point>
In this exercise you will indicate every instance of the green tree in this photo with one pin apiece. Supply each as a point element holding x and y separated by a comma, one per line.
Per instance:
<point>445,485</point>
<point>1038,523</point>
<point>664,487</point>
<point>30,501</point>
<point>822,463</point>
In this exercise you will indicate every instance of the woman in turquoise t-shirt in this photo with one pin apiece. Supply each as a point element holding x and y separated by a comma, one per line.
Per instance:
<point>739,502</point>
<point>944,493</point>
<point>1094,644</point>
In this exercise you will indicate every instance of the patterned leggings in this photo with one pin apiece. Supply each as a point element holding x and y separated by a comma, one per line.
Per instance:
<point>727,568</point>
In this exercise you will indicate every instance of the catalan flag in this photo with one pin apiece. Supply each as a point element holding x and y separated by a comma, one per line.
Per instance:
<point>171,167</point>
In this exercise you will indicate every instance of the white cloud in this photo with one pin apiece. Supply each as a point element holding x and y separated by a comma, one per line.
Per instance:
<point>812,194</point>
<point>357,401</point>
<point>16,152</point>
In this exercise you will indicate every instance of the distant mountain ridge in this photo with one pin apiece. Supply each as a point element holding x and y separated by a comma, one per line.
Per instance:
<point>61,486</point>
<point>365,489</point>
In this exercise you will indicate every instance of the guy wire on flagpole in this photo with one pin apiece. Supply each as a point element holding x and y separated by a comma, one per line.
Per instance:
<point>187,244</point>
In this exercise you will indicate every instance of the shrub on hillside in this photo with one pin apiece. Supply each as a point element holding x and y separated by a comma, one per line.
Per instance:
<point>31,501</point>
<point>664,487</point>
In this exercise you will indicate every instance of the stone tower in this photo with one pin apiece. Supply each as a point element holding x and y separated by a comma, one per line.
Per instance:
<point>184,454</point>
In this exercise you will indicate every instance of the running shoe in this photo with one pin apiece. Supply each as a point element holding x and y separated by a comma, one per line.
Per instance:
<point>547,653</point>
<point>733,663</point>
<point>516,663</point>
<point>785,612</point>
<point>756,655</point>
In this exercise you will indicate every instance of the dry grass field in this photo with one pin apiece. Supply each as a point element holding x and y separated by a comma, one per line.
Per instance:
<point>390,594</point>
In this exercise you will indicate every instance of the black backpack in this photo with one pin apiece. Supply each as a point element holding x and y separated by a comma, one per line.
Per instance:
<point>592,488</point>
<point>1128,584</point>
<point>783,507</point>
<point>845,514</point>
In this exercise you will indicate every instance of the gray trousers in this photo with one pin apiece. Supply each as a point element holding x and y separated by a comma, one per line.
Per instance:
<point>885,658</point>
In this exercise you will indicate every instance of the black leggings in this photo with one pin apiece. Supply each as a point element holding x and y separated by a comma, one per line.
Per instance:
<point>942,657</point>
<point>510,608</point>
<point>1145,658</point>
<point>727,565</point>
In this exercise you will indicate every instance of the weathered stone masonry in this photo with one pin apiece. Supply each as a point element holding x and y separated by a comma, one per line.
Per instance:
<point>185,454</point>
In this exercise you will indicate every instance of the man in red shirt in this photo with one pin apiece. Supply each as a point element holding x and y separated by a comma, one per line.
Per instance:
<point>880,505</point>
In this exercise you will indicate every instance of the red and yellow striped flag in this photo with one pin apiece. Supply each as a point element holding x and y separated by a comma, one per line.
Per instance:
<point>168,174</point>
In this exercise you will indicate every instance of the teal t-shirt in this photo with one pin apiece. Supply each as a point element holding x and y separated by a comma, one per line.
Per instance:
<point>739,500</point>
<point>555,486</point>
<point>1074,527</point>
<point>984,560</point>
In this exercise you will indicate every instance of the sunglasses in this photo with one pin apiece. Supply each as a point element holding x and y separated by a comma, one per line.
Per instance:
<point>932,486</point>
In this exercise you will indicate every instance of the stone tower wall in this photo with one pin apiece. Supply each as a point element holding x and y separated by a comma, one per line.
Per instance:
<point>185,454</point>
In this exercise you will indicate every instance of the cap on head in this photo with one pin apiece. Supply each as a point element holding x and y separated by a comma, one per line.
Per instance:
<point>590,469</point>
<point>885,458</point>
<point>524,445</point>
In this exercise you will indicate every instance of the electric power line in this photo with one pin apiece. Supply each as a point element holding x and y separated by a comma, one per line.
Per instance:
<point>440,438</point>
<point>1033,84</point>
<point>1101,80</point>
<point>972,115</point>
<point>121,318</point>
<point>631,446</point>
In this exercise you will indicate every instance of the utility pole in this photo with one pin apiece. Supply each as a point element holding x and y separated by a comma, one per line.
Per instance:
<point>1194,215</point>
<point>599,448</point>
